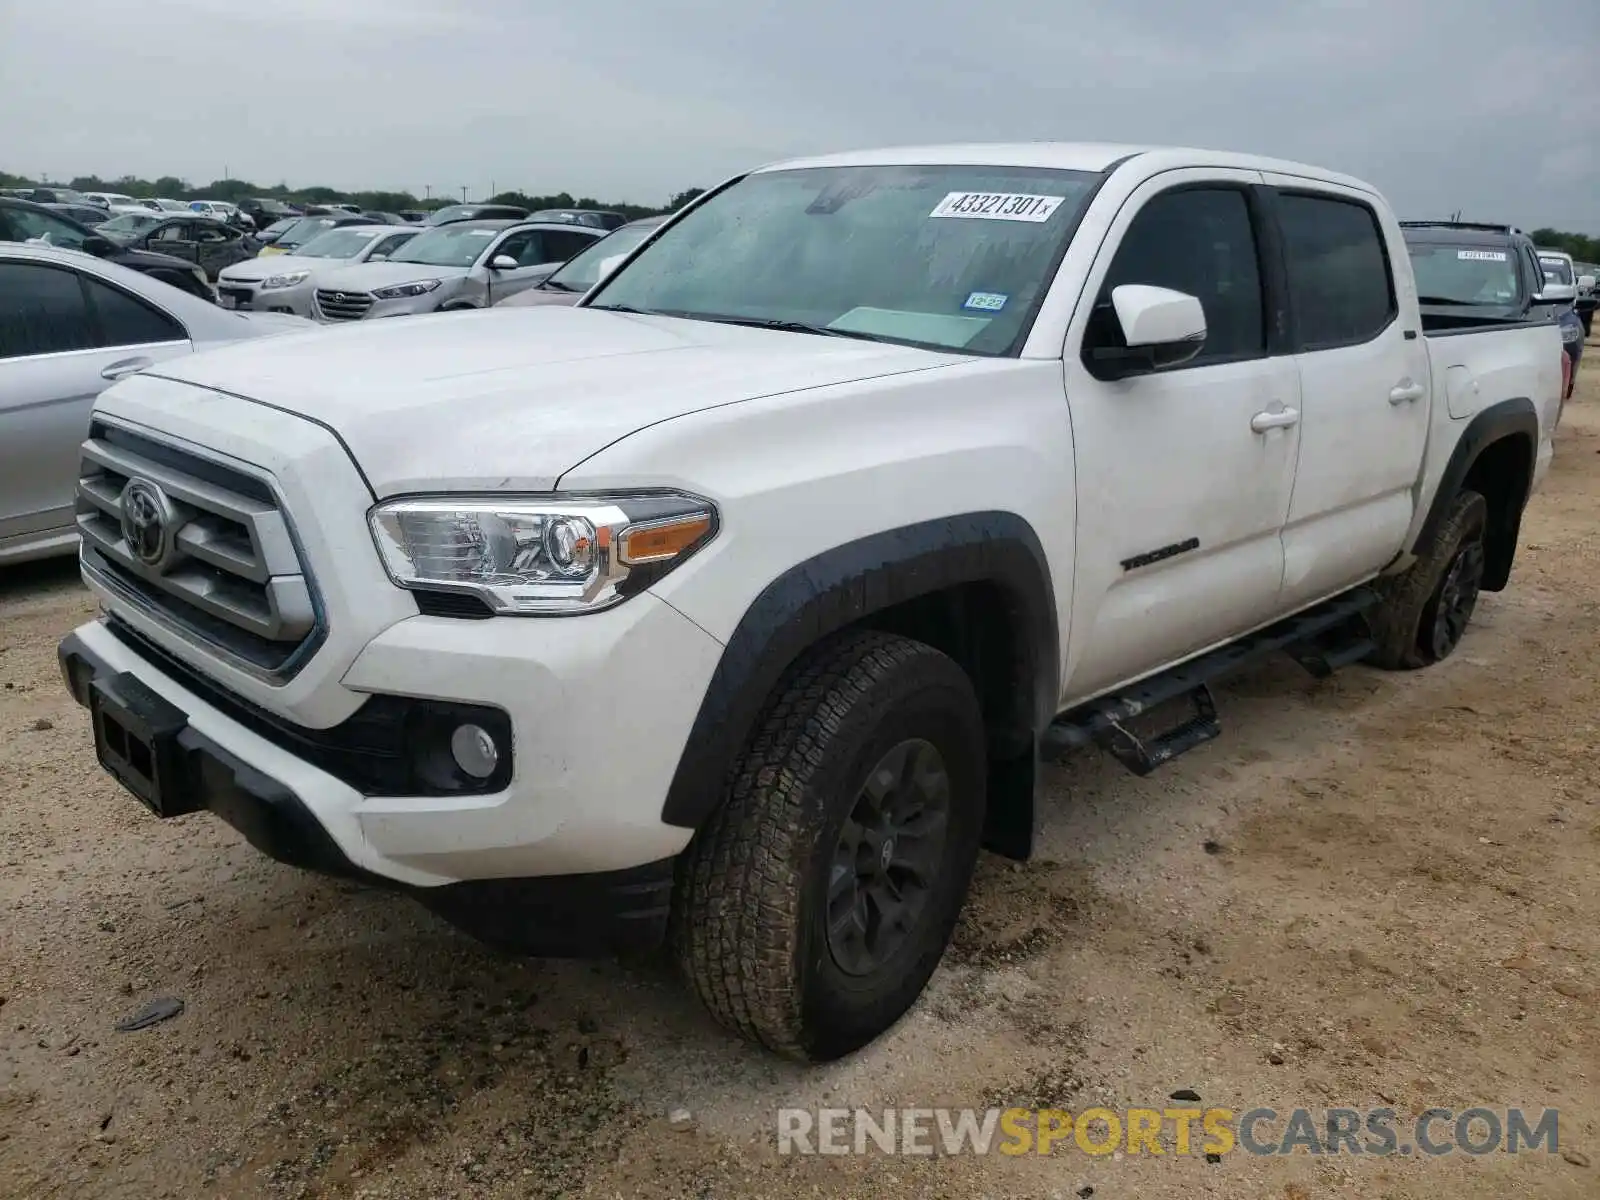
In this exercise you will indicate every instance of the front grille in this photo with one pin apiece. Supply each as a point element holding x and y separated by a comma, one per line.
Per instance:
<point>343,306</point>
<point>196,544</point>
<point>243,297</point>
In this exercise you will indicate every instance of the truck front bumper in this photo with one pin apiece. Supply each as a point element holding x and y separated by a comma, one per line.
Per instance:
<point>569,858</point>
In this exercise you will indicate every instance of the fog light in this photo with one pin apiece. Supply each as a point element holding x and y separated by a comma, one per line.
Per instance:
<point>474,750</point>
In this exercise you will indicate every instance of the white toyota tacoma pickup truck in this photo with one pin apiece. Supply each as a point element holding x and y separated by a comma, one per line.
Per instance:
<point>734,609</point>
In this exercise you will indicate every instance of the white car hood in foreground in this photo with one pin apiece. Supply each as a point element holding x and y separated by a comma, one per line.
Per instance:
<point>509,400</point>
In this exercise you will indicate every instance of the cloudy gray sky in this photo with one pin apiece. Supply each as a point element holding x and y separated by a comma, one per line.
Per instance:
<point>1472,104</point>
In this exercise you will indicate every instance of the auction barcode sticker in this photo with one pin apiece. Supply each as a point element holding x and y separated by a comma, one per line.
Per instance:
<point>1482,255</point>
<point>997,206</point>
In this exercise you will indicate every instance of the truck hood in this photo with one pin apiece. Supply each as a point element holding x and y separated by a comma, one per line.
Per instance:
<point>363,277</point>
<point>511,399</point>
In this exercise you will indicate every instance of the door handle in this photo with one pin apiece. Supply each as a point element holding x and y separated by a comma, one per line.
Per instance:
<point>127,366</point>
<point>1280,419</point>
<point>1405,391</point>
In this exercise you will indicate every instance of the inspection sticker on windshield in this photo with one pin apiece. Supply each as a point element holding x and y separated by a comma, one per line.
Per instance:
<point>997,206</point>
<point>1482,255</point>
<point>986,301</point>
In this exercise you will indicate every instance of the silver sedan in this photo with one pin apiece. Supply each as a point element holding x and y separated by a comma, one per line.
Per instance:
<point>70,326</point>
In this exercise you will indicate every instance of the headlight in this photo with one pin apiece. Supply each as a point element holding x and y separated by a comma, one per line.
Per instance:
<point>406,289</point>
<point>283,281</point>
<point>535,556</point>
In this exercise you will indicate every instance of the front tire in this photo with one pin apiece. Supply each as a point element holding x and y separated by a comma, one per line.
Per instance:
<point>816,902</point>
<point>1425,610</point>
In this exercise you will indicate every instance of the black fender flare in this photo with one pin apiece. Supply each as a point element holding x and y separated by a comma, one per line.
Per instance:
<point>845,586</point>
<point>1508,418</point>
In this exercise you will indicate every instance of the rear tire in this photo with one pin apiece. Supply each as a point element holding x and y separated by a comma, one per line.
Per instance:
<point>1425,610</point>
<point>815,904</point>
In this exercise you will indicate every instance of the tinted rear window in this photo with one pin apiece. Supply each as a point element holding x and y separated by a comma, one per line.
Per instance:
<point>1340,288</point>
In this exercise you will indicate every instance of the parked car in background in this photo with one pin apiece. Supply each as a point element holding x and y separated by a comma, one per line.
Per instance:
<point>1561,291</point>
<point>285,282</point>
<point>24,221</point>
<point>204,240</point>
<point>462,265</point>
<point>70,326</point>
<point>1473,274</point>
<point>345,206</point>
<point>306,228</point>
<point>52,195</point>
<point>167,205</point>
<point>475,212</point>
<point>114,201</point>
<point>91,215</point>
<point>414,216</point>
<point>595,217</point>
<point>131,224</point>
<point>378,217</point>
<point>567,284</point>
<point>264,210</point>
<point>279,227</point>
<point>1587,298</point>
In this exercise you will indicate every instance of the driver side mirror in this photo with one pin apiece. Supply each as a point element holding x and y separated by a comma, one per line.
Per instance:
<point>503,262</point>
<point>1556,293</point>
<point>1159,328</point>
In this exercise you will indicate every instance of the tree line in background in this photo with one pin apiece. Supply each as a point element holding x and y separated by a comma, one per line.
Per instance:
<point>235,190</point>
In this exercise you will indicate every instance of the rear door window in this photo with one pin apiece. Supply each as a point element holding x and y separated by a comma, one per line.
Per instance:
<point>1341,289</point>
<point>126,320</point>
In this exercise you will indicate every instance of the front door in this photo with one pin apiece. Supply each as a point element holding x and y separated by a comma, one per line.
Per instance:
<point>1184,477</point>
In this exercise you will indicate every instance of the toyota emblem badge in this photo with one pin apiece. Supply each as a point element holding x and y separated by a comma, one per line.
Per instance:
<point>146,521</point>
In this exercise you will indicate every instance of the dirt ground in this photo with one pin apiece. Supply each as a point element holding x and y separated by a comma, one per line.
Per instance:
<point>1378,889</point>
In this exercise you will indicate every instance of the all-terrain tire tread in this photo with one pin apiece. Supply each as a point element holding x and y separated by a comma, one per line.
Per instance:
<point>1395,619</point>
<point>741,880</point>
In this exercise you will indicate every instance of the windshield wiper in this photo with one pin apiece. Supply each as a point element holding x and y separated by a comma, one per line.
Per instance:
<point>783,326</point>
<point>557,286</point>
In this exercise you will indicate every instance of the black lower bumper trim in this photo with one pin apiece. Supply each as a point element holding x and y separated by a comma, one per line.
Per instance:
<point>593,914</point>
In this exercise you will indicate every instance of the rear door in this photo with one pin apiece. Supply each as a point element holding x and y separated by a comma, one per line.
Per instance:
<point>1364,388</point>
<point>64,337</point>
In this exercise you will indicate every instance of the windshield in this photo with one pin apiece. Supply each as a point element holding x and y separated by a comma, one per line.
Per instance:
<point>282,226</point>
<point>35,226</point>
<point>450,246</point>
<point>454,212</point>
<point>1556,270</point>
<point>129,224</point>
<point>336,243</point>
<point>582,271</point>
<point>1468,275</point>
<point>951,257</point>
<point>304,230</point>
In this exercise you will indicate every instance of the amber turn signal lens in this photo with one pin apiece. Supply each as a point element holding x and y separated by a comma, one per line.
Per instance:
<point>659,542</point>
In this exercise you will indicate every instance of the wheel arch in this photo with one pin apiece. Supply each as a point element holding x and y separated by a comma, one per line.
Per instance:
<point>1494,456</point>
<point>976,586</point>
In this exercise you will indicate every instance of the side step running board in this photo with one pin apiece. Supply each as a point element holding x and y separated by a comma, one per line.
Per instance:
<point>1321,640</point>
